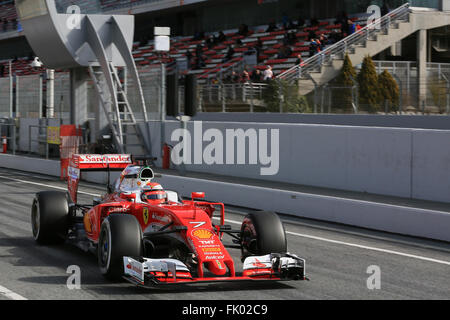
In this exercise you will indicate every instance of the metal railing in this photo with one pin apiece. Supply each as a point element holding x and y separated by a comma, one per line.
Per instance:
<point>340,48</point>
<point>232,93</point>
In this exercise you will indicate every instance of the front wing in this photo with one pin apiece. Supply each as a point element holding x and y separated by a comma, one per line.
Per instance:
<point>154,272</point>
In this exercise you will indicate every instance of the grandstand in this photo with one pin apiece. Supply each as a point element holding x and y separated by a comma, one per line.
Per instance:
<point>8,16</point>
<point>271,42</point>
<point>192,54</point>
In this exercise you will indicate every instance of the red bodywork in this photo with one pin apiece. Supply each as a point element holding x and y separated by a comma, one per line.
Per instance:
<point>201,236</point>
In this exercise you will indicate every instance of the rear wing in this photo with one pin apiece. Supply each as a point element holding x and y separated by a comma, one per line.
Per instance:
<point>94,163</point>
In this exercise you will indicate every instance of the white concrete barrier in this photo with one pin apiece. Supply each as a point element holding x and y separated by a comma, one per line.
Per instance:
<point>372,215</point>
<point>417,222</point>
<point>36,165</point>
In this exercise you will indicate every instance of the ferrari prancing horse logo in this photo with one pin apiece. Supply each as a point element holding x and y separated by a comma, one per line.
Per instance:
<point>146,215</point>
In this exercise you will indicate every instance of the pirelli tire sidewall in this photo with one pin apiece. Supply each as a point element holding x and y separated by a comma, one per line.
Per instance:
<point>50,217</point>
<point>120,235</point>
<point>262,233</point>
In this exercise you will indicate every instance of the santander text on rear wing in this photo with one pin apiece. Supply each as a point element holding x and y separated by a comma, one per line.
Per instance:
<point>93,162</point>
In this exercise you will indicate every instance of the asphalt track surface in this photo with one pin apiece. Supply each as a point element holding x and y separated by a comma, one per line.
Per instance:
<point>337,260</point>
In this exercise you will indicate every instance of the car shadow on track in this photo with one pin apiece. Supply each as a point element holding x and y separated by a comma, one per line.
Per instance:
<point>192,288</point>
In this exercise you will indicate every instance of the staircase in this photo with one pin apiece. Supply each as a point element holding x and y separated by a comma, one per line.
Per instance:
<point>122,122</point>
<point>370,40</point>
<point>113,97</point>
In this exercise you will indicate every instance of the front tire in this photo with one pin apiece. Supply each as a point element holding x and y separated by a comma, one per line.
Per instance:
<point>50,217</point>
<point>120,235</point>
<point>262,233</point>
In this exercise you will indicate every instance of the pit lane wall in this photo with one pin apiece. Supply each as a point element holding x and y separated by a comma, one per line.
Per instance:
<point>392,161</point>
<point>401,162</point>
<point>410,221</point>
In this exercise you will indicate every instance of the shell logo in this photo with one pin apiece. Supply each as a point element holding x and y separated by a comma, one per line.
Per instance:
<point>202,234</point>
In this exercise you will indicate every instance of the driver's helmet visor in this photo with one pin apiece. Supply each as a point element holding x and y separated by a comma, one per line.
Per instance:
<point>155,195</point>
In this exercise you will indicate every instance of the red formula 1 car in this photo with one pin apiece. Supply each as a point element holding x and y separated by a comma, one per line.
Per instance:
<point>150,236</point>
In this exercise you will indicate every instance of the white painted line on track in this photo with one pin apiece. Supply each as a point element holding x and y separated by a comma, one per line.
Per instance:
<point>10,294</point>
<point>358,246</point>
<point>287,232</point>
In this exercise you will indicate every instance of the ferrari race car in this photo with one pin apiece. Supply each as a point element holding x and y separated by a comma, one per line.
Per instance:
<point>150,236</point>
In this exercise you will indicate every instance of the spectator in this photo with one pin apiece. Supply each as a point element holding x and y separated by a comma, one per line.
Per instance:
<point>245,76</point>
<point>319,45</point>
<point>384,9</point>
<point>351,27</point>
<point>334,37</point>
<point>243,30</point>
<point>233,78</point>
<point>258,48</point>
<point>199,35</point>
<point>299,60</point>
<point>268,74</point>
<point>256,76</point>
<point>230,53</point>
<point>285,20</point>
<point>322,41</point>
<point>222,37</point>
<point>342,19</point>
<point>189,58</point>
<point>210,42</point>
<point>292,38</point>
<point>2,70</point>
<point>199,50</point>
<point>314,47</point>
<point>200,62</point>
<point>301,22</point>
<point>272,26</point>
<point>286,39</point>
<point>314,22</point>
<point>259,44</point>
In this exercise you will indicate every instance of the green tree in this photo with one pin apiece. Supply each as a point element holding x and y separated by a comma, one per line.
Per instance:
<point>389,90</point>
<point>369,93</point>
<point>287,94</point>
<point>344,83</point>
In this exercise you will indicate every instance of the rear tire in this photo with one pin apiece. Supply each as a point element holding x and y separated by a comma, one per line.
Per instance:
<point>120,235</point>
<point>50,217</point>
<point>262,233</point>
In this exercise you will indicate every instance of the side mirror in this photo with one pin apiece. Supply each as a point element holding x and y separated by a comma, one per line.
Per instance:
<point>197,195</point>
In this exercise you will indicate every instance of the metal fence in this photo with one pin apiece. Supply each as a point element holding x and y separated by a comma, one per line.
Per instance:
<point>333,98</point>
<point>5,97</point>
<point>228,97</point>
<point>153,85</point>
<point>62,94</point>
<point>27,97</point>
